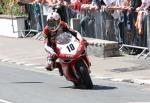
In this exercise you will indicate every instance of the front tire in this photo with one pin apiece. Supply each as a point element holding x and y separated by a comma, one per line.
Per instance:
<point>85,78</point>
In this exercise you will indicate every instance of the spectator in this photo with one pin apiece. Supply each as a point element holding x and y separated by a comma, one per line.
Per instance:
<point>132,16</point>
<point>119,21</point>
<point>85,1</point>
<point>77,5</point>
<point>96,2</point>
<point>85,4</point>
<point>116,10</point>
<point>135,4</point>
<point>141,23</point>
<point>81,4</point>
<point>88,21</point>
<point>108,21</point>
<point>109,2</point>
<point>145,4</point>
<point>142,11</point>
<point>61,8</point>
<point>51,2</point>
<point>54,2</point>
<point>37,14</point>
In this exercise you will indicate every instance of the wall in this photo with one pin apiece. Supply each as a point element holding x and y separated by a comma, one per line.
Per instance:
<point>12,27</point>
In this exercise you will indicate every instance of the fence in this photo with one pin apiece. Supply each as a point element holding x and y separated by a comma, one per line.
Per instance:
<point>104,26</point>
<point>100,24</point>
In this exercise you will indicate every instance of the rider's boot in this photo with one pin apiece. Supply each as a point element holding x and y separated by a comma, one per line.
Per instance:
<point>49,67</point>
<point>50,64</point>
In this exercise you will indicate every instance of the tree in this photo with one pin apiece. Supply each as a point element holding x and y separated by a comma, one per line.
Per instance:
<point>10,7</point>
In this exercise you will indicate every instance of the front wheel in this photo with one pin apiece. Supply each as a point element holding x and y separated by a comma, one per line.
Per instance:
<point>85,79</point>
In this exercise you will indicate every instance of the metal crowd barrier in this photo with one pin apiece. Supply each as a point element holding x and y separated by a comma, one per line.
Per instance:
<point>103,26</point>
<point>100,24</point>
<point>29,22</point>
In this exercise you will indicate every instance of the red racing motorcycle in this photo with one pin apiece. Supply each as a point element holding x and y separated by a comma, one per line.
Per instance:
<point>73,58</point>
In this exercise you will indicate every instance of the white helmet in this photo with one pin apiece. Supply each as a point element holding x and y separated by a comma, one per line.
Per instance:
<point>53,20</point>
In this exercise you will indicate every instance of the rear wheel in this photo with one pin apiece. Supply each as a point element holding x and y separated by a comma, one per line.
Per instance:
<point>85,79</point>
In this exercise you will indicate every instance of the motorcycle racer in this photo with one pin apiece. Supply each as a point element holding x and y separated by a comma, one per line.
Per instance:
<point>54,27</point>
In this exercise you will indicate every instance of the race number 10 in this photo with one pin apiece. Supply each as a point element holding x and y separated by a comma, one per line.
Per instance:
<point>70,47</point>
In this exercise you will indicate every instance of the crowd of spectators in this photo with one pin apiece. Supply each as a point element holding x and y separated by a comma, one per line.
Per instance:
<point>128,14</point>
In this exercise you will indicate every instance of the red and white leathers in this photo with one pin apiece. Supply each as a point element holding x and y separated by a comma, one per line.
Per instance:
<point>49,43</point>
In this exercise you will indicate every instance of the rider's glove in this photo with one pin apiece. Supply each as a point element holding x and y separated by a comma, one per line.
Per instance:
<point>54,56</point>
<point>85,43</point>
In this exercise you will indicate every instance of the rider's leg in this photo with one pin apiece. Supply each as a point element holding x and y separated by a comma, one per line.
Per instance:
<point>58,65</point>
<point>51,60</point>
<point>52,64</point>
<point>51,57</point>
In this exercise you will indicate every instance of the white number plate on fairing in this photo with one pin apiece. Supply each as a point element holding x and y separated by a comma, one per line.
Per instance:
<point>70,48</point>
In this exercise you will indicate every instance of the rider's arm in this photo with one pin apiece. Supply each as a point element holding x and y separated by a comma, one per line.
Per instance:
<point>78,36</point>
<point>47,44</point>
<point>45,33</point>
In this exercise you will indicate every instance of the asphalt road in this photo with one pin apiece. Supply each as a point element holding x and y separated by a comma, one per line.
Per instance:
<point>20,84</point>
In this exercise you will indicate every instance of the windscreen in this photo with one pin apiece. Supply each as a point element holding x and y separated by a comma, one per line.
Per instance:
<point>64,38</point>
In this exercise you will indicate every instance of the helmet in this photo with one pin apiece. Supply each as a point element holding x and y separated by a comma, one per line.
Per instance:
<point>53,20</point>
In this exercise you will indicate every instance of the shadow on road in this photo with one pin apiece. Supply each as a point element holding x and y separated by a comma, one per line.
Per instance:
<point>26,82</point>
<point>95,87</point>
<point>99,87</point>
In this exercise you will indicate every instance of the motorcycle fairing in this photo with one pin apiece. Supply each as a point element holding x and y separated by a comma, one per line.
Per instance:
<point>67,44</point>
<point>66,68</point>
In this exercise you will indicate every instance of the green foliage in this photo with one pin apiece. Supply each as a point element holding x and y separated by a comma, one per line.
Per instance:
<point>18,10</point>
<point>1,9</point>
<point>8,7</point>
<point>5,5</point>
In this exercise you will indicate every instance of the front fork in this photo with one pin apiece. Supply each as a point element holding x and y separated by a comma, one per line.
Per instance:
<point>87,62</point>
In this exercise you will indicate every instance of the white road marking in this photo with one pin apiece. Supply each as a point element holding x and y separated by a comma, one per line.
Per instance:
<point>4,101</point>
<point>5,60</point>
<point>29,64</point>
<point>20,63</point>
<point>40,67</point>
